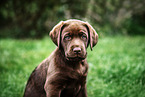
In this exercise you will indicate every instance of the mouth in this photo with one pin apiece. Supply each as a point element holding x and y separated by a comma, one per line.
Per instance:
<point>76,58</point>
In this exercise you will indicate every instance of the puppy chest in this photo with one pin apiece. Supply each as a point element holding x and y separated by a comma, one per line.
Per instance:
<point>79,81</point>
<point>70,92</point>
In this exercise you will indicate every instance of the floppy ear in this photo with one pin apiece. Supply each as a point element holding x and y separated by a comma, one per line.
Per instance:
<point>92,35</point>
<point>55,33</point>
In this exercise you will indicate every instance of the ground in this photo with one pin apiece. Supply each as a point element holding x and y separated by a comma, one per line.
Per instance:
<point>116,65</point>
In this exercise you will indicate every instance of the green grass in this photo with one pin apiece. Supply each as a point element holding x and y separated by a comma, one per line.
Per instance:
<point>117,66</point>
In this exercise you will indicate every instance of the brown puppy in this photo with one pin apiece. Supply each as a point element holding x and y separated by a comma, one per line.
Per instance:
<point>64,72</point>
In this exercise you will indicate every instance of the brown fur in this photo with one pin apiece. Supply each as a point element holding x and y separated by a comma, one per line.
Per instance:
<point>64,72</point>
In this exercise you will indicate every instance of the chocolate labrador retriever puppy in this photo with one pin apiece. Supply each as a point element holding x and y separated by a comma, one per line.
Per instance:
<point>64,72</point>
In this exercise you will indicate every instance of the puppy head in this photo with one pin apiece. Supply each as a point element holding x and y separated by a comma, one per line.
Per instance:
<point>74,36</point>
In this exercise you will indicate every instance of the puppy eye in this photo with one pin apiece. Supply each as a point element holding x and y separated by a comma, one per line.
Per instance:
<point>67,37</point>
<point>84,37</point>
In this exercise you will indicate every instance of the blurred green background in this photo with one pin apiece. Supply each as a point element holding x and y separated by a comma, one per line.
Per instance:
<point>116,64</point>
<point>35,18</point>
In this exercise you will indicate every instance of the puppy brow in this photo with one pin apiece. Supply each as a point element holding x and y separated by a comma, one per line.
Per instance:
<point>82,31</point>
<point>67,33</point>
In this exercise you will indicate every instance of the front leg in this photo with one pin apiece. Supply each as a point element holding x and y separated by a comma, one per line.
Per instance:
<point>53,86</point>
<point>52,90</point>
<point>83,92</point>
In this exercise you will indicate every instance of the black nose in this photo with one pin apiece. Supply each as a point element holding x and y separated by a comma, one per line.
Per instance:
<point>77,50</point>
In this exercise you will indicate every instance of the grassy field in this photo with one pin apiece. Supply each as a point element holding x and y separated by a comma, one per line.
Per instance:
<point>117,65</point>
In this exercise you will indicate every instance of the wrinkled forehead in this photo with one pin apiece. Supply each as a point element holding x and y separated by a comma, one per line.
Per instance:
<point>74,27</point>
